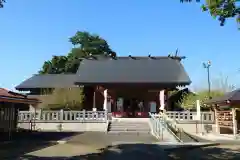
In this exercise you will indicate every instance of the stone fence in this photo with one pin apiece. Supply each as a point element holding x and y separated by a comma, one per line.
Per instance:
<point>191,122</point>
<point>63,120</point>
<point>191,116</point>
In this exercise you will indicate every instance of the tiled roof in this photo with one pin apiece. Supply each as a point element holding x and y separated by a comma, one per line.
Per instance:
<point>230,96</point>
<point>6,95</point>
<point>132,70</point>
<point>48,81</point>
<point>152,70</point>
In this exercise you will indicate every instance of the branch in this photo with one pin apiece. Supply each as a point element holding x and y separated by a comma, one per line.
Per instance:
<point>221,9</point>
<point>2,2</point>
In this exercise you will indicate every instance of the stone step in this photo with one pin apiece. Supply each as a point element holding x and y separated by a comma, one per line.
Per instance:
<point>128,129</point>
<point>142,126</point>
<point>125,123</point>
<point>136,125</point>
<point>117,126</point>
<point>121,124</point>
<point>131,132</point>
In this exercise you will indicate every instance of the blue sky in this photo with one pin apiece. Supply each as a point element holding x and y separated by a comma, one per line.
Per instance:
<point>32,31</point>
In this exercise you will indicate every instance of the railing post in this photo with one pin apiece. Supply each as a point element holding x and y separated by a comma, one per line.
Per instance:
<point>84,115</point>
<point>40,114</point>
<point>61,115</point>
<point>106,115</point>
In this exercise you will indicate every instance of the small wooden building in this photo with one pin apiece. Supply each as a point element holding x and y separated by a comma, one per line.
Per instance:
<point>10,103</point>
<point>227,112</point>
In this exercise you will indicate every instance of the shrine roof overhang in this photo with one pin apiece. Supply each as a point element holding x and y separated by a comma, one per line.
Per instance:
<point>47,81</point>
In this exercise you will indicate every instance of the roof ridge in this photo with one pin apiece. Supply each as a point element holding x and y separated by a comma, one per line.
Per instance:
<point>129,57</point>
<point>53,74</point>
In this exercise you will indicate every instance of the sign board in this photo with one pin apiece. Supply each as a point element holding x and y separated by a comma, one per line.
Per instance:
<point>119,104</point>
<point>153,106</point>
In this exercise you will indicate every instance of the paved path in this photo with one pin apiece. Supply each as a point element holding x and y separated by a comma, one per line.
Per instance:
<point>118,152</point>
<point>94,146</point>
<point>101,140</point>
<point>133,151</point>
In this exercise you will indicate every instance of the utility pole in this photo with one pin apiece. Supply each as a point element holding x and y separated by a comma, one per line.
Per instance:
<point>207,66</point>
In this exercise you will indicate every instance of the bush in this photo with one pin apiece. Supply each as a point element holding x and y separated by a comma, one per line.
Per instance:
<point>65,98</point>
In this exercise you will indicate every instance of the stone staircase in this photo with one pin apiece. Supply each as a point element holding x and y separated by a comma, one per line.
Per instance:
<point>129,127</point>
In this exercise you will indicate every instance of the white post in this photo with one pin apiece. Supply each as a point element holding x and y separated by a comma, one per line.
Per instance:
<point>199,117</point>
<point>94,101</point>
<point>217,129</point>
<point>161,99</point>
<point>234,122</point>
<point>105,100</point>
<point>198,110</point>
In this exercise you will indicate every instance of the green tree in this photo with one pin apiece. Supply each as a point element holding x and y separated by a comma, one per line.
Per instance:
<point>1,3</point>
<point>85,45</point>
<point>64,98</point>
<point>221,9</point>
<point>189,100</point>
<point>221,87</point>
<point>54,66</point>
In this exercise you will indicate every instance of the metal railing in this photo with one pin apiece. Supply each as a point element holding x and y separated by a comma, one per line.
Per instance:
<point>159,125</point>
<point>176,130</point>
<point>62,116</point>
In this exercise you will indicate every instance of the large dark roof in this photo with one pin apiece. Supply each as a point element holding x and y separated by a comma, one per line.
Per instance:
<point>230,96</point>
<point>132,70</point>
<point>155,70</point>
<point>48,81</point>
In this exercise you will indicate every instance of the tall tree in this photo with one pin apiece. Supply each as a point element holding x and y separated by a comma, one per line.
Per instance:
<point>221,9</point>
<point>85,44</point>
<point>54,66</point>
<point>1,3</point>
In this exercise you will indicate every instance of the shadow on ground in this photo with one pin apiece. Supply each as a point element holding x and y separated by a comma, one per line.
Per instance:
<point>150,152</point>
<point>26,141</point>
<point>41,136</point>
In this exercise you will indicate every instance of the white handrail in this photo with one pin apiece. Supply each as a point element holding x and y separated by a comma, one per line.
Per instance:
<point>161,118</point>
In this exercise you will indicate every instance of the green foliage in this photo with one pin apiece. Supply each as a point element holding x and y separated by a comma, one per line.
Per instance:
<point>220,86</point>
<point>1,3</point>
<point>65,98</point>
<point>189,100</point>
<point>170,93</point>
<point>85,44</point>
<point>221,9</point>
